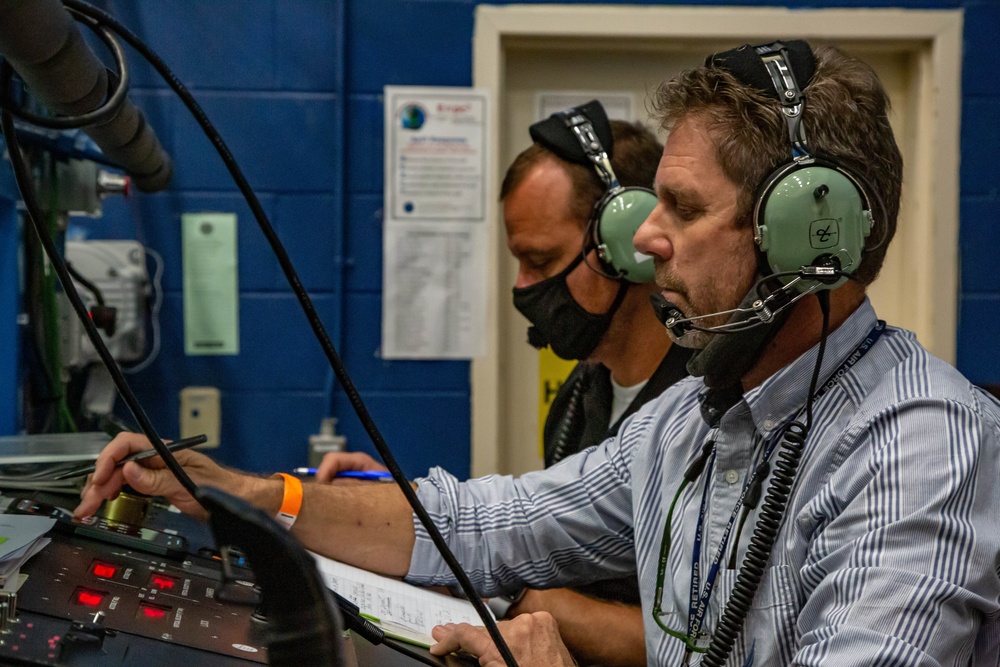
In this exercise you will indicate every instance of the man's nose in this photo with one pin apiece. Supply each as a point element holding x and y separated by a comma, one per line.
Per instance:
<point>651,239</point>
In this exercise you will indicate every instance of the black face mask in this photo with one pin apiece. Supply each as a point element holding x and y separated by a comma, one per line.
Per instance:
<point>558,320</point>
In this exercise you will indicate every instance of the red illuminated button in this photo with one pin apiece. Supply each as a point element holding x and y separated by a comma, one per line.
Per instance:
<point>153,612</point>
<point>87,597</point>
<point>103,570</point>
<point>162,582</point>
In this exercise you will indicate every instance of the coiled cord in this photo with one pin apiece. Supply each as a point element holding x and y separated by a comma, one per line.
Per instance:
<point>567,425</point>
<point>771,514</point>
<point>759,552</point>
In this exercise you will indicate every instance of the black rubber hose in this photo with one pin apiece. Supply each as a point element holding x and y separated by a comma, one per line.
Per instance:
<point>40,39</point>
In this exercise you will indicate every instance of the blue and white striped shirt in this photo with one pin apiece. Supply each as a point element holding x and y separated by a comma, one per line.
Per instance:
<point>889,551</point>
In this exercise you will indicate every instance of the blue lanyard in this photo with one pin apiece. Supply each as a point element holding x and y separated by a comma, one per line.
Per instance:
<point>698,604</point>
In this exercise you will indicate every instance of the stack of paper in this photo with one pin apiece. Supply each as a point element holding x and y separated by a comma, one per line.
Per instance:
<point>402,611</point>
<point>21,537</point>
<point>34,461</point>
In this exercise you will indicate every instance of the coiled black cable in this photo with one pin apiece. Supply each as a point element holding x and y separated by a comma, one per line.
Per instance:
<point>117,81</point>
<point>768,524</point>
<point>568,424</point>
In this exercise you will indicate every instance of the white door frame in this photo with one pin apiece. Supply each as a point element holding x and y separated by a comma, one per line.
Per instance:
<point>930,241</point>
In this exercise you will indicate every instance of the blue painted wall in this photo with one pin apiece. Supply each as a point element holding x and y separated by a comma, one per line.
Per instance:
<point>10,237</point>
<point>295,89</point>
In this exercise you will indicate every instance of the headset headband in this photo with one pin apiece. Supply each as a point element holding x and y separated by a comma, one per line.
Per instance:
<point>775,70</point>
<point>557,133</point>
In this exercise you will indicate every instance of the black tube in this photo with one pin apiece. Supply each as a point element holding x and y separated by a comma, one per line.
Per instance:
<point>41,41</point>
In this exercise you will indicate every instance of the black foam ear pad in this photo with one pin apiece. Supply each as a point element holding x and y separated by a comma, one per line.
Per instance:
<point>746,65</point>
<point>553,134</point>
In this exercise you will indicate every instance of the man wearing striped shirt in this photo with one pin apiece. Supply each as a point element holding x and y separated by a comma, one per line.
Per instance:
<point>887,552</point>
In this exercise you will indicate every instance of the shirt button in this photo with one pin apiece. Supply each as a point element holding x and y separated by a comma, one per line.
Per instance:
<point>732,476</point>
<point>767,424</point>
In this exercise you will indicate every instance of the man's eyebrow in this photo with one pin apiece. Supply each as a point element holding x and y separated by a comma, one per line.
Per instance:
<point>675,193</point>
<point>532,252</point>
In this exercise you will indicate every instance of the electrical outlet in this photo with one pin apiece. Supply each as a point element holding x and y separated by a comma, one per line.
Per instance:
<point>200,413</point>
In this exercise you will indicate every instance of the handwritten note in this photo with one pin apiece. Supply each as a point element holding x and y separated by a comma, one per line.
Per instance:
<point>395,605</point>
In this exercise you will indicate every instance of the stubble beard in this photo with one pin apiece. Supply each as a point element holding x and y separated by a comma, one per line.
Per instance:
<point>724,292</point>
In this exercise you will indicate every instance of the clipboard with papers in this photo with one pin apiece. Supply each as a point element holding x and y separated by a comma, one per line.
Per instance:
<point>403,611</point>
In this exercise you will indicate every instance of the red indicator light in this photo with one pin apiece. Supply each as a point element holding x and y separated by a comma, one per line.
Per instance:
<point>103,570</point>
<point>152,612</point>
<point>88,598</point>
<point>162,583</point>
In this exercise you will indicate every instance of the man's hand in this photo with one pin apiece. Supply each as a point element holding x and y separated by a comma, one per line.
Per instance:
<point>149,476</point>
<point>337,462</point>
<point>532,638</point>
<point>596,632</point>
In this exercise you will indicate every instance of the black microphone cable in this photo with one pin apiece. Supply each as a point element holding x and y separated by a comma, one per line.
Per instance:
<point>772,513</point>
<point>340,371</point>
<point>118,81</point>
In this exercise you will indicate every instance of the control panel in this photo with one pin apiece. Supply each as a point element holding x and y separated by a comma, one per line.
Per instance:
<point>141,594</point>
<point>105,593</point>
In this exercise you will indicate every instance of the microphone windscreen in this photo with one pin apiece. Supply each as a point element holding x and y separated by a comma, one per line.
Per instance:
<point>536,338</point>
<point>664,311</point>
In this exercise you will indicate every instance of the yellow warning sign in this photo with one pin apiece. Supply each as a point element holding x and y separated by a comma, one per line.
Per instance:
<point>552,372</point>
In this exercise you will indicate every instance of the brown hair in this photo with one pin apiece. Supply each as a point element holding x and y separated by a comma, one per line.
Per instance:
<point>635,156</point>
<point>846,120</point>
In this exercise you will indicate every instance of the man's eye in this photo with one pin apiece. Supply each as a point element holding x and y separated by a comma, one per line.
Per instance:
<point>686,212</point>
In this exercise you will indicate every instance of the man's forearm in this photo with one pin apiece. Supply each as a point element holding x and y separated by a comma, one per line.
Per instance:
<point>368,525</point>
<point>364,524</point>
<point>596,632</point>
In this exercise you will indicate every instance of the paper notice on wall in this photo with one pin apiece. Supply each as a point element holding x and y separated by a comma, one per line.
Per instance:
<point>435,235</point>
<point>211,290</point>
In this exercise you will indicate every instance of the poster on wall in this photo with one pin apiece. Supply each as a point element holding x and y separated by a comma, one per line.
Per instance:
<point>435,232</point>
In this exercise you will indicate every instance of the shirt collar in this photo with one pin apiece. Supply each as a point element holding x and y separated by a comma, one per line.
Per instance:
<point>784,393</point>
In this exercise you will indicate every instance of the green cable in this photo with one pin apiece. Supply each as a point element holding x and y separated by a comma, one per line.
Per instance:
<point>64,422</point>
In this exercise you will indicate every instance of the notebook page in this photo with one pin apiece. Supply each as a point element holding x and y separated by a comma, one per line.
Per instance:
<point>395,602</point>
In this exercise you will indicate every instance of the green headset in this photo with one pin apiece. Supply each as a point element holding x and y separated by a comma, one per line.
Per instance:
<point>810,212</point>
<point>576,135</point>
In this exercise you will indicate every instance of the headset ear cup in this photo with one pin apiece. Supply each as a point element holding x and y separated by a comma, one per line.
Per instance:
<point>808,211</point>
<point>618,217</point>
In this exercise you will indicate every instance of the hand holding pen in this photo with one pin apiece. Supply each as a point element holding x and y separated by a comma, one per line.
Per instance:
<point>336,464</point>
<point>367,475</point>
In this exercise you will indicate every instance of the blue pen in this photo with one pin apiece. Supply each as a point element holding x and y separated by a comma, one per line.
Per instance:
<point>370,475</point>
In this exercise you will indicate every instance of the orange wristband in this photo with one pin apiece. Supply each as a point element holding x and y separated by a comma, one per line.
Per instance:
<point>291,503</point>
